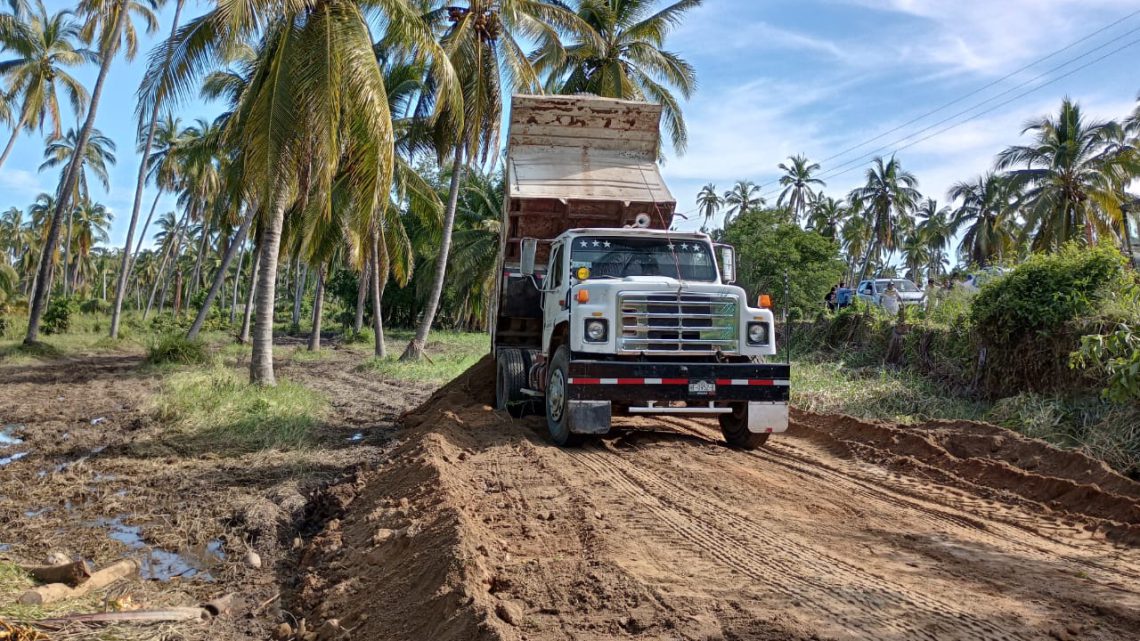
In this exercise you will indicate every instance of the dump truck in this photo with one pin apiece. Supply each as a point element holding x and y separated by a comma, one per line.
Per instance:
<point>600,309</point>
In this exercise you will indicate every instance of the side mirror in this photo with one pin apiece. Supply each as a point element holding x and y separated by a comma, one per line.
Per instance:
<point>727,263</point>
<point>526,260</point>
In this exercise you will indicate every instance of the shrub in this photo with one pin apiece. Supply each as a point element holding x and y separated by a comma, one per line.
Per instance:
<point>57,317</point>
<point>95,306</point>
<point>1046,292</point>
<point>176,348</point>
<point>365,335</point>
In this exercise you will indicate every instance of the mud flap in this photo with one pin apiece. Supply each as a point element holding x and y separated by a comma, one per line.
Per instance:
<point>588,417</point>
<point>769,418</point>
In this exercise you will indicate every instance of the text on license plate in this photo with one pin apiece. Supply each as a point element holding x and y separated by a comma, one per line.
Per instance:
<point>702,388</point>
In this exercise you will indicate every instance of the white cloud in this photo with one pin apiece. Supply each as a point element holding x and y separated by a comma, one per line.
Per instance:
<point>22,184</point>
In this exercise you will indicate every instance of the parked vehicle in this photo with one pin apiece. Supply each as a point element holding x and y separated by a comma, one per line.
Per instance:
<point>600,309</point>
<point>871,291</point>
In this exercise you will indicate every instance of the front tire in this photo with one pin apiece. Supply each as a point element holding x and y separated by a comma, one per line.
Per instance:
<point>734,426</point>
<point>510,379</point>
<point>557,397</point>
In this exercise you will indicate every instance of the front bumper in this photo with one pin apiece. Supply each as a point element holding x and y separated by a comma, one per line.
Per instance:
<point>654,388</point>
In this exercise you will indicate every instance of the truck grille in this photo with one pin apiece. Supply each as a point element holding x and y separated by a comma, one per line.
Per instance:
<point>672,323</point>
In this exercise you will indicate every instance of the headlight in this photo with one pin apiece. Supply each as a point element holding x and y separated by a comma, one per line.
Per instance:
<point>596,331</point>
<point>758,333</point>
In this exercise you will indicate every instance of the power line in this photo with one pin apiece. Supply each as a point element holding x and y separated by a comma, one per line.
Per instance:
<point>858,159</point>
<point>832,172</point>
<point>1003,103</point>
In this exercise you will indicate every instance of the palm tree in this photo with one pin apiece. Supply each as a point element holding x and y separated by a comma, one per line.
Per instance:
<point>709,202</point>
<point>1068,185</point>
<point>100,152</point>
<point>798,182</point>
<point>622,56</point>
<point>315,106</point>
<point>91,223</point>
<point>826,215</point>
<point>151,123</point>
<point>742,198</point>
<point>855,235</point>
<point>986,212</point>
<point>936,231</point>
<point>108,20</point>
<point>44,47</point>
<point>476,248</point>
<point>482,42</point>
<point>11,227</point>
<point>888,197</point>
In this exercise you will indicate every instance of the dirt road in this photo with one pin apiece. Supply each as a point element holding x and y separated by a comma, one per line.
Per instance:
<point>476,528</point>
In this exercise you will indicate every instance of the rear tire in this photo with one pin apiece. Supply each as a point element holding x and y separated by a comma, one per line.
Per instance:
<point>557,388</point>
<point>734,426</point>
<point>510,379</point>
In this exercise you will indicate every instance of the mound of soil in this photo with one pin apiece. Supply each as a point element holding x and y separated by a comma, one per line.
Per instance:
<point>994,461</point>
<point>476,528</point>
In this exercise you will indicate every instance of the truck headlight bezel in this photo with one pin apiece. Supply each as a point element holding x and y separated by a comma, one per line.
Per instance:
<point>758,333</point>
<point>596,330</point>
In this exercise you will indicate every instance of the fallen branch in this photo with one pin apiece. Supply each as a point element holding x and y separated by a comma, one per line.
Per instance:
<point>72,573</point>
<point>58,591</point>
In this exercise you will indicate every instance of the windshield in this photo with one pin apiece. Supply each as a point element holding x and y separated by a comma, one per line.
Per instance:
<point>618,257</point>
<point>904,286</point>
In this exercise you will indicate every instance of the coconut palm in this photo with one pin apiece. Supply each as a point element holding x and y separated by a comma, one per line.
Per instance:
<point>826,215</point>
<point>936,231</point>
<point>91,222</point>
<point>709,203</point>
<point>99,153</point>
<point>44,47</point>
<point>855,235</point>
<point>315,105</point>
<point>11,228</point>
<point>107,21</point>
<point>888,197</point>
<point>742,198</point>
<point>483,42</point>
<point>623,56</point>
<point>798,184</point>
<point>986,213</point>
<point>150,122</point>
<point>476,249</point>
<point>1069,187</point>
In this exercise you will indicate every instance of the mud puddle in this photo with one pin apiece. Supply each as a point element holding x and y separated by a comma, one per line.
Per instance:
<point>157,564</point>
<point>8,436</point>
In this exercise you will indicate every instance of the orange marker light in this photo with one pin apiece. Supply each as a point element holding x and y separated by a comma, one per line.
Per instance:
<point>583,295</point>
<point>765,301</point>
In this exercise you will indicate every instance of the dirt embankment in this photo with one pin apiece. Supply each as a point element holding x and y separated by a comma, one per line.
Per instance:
<point>475,528</point>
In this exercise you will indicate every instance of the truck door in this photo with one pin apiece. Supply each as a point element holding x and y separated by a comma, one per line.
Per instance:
<point>554,298</point>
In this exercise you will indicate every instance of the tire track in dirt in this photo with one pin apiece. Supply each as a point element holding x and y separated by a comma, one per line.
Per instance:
<point>861,602</point>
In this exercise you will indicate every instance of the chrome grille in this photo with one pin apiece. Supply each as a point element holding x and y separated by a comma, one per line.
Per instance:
<point>672,323</point>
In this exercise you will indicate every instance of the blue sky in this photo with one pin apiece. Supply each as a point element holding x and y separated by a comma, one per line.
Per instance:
<point>780,77</point>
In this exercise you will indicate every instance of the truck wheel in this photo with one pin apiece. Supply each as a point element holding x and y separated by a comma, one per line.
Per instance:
<point>734,426</point>
<point>557,394</point>
<point>510,379</point>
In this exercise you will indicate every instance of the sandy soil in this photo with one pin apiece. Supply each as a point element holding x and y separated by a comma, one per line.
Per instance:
<point>474,527</point>
<point>461,523</point>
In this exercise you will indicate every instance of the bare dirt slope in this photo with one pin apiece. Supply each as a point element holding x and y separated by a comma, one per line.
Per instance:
<point>475,527</point>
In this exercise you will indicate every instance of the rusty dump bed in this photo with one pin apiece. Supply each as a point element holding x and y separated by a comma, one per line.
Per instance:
<point>581,161</point>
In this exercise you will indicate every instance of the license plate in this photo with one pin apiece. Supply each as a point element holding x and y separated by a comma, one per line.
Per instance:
<point>702,388</point>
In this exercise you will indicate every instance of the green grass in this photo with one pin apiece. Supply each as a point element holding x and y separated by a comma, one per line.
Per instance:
<point>216,410</point>
<point>833,387</point>
<point>449,354</point>
<point>177,349</point>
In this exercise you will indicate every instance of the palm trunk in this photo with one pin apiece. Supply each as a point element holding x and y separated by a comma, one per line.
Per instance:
<point>318,307</point>
<point>43,286</point>
<point>379,275</point>
<point>415,348</point>
<point>203,245</point>
<point>220,276</point>
<point>247,313</point>
<point>362,297</point>
<point>170,249</point>
<point>67,253</point>
<point>237,282</point>
<point>11,142</point>
<point>261,361</point>
<point>140,185</point>
<point>301,273</point>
